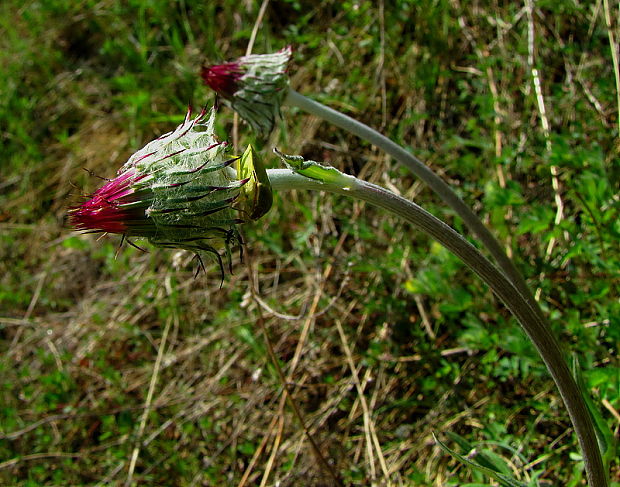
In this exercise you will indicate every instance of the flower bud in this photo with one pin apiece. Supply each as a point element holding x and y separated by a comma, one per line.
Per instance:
<point>179,191</point>
<point>255,86</point>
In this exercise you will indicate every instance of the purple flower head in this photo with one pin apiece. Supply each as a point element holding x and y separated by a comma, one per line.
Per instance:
<point>181,191</point>
<point>255,86</point>
<point>223,78</point>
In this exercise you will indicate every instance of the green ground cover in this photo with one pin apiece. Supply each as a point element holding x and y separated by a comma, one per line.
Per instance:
<point>118,367</point>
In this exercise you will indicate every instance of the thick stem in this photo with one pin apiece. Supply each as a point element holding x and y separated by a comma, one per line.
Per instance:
<point>532,321</point>
<point>422,171</point>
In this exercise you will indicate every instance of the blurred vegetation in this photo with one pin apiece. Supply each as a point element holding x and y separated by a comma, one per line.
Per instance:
<point>85,84</point>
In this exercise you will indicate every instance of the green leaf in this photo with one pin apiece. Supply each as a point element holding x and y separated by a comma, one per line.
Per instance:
<point>256,195</point>
<point>606,440</point>
<point>316,171</point>
<point>490,469</point>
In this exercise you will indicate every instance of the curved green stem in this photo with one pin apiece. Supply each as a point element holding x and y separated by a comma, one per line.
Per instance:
<point>530,319</point>
<point>423,172</point>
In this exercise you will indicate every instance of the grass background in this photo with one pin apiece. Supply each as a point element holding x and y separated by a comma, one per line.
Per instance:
<point>106,355</point>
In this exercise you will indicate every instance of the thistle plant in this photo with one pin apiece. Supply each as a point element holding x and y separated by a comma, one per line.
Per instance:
<point>182,190</point>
